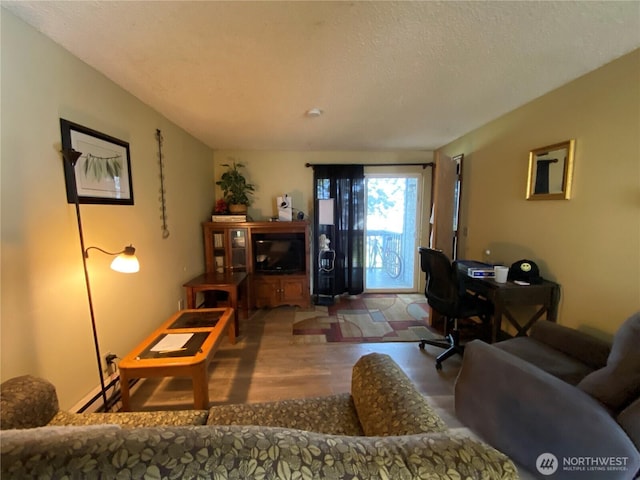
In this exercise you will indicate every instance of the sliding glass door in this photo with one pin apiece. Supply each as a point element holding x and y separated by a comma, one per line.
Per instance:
<point>391,232</point>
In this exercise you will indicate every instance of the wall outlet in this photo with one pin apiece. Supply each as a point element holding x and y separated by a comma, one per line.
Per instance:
<point>181,304</point>
<point>110,361</point>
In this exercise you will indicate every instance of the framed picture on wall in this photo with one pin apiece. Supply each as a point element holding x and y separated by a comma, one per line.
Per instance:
<point>103,170</point>
<point>551,171</point>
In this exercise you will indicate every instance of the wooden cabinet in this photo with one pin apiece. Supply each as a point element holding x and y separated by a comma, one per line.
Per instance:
<point>226,248</point>
<point>275,290</point>
<point>274,254</point>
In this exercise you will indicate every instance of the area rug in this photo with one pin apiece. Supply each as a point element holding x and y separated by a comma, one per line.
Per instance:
<point>366,318</point>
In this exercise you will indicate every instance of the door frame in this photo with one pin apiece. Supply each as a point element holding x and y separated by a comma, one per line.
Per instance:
<point>448,174</point>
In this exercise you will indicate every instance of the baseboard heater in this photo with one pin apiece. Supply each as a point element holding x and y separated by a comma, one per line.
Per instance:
<point>112,400</point>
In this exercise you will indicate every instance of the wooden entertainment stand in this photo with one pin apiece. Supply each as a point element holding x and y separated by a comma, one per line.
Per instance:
<point>229,247</point>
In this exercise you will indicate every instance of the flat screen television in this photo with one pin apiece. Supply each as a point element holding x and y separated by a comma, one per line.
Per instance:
<point>275,254</point>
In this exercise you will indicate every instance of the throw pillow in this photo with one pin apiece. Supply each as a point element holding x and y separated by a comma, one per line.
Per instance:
<point>618,384</point>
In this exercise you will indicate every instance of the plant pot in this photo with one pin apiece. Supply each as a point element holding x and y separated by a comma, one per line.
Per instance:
<point>237,209</point>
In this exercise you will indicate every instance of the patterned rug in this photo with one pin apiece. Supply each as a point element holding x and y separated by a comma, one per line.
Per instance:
<point>366,318</point>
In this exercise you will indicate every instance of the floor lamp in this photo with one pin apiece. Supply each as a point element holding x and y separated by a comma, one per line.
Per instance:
<point>125,262</point>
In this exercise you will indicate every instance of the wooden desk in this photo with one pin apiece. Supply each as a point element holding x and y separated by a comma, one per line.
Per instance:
<point>229,282</point>
<point>206,325</point>
<point>505,296</point>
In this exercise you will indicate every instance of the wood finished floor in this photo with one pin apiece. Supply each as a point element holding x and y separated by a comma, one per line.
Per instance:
<point>264,365</point>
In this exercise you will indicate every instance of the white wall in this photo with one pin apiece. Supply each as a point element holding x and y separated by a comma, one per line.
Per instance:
<point>45,325</point>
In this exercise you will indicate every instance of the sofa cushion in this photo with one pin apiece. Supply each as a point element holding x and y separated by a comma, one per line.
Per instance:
<point>27,402</point>
<point>335,414</point>
<point>577,344</point>
<point>132,419</point>
<point>547,358</point>
<point>386,400</point>
<point>618,384</point>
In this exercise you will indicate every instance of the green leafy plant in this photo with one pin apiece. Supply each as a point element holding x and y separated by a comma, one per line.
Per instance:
<point>235,188</point>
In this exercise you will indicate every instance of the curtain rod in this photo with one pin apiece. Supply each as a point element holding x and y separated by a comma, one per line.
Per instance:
<point>423,165</point>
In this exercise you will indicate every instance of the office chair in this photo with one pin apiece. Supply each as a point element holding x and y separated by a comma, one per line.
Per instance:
<point>446,295</point>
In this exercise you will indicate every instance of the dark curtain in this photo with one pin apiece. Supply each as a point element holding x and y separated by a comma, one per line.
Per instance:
<point>542,175</point>
<point>345,184</point>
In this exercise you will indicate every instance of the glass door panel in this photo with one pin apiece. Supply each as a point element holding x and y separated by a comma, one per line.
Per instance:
<point>218,250</point>
<point>391,232</point>
<point>238,240</point>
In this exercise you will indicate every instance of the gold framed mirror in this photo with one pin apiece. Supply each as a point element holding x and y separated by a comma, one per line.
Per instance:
<point>551,171</point>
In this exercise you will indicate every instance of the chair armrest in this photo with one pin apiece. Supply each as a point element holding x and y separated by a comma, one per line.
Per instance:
<point>579,345</point>
<point>525,412</point>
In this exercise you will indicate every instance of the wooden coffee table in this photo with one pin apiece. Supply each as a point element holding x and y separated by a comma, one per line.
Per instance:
<point>181,347</point>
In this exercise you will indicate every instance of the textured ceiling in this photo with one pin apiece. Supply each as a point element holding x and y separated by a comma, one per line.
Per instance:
<point>388,75</point>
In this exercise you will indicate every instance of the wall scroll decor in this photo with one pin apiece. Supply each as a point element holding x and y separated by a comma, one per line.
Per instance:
<point>103,173</point>
<point>163,200</point>
<point>551,171</point>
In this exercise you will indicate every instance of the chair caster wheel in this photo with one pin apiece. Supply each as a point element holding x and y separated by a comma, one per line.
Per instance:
<point>438,366</point>
<point>421,345</point>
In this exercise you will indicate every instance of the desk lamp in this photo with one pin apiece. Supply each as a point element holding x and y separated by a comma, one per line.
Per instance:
<point>125,262</point>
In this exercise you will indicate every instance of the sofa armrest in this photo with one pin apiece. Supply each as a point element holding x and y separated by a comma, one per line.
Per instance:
<point>629,420</point>
<point>387,401</point>
<point>27,402</point>
<point>579,345</point>
<point>525,412</point>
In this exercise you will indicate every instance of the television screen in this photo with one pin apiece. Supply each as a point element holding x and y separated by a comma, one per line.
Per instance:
<point>285,255</point>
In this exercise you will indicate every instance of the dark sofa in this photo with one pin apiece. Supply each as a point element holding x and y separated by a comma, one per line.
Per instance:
<point>557,400</point>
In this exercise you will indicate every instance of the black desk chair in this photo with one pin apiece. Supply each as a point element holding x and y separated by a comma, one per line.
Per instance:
<point>446,295</point>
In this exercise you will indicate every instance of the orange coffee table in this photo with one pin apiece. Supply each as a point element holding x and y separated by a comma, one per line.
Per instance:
<point>181,347</point>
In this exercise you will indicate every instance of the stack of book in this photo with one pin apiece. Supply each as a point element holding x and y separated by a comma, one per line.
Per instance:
<point>228,218</point>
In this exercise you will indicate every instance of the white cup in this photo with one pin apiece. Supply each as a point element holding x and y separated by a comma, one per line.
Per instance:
<point>501,273</point>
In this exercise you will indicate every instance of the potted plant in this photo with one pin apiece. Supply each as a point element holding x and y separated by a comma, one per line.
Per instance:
<point>236,190</point>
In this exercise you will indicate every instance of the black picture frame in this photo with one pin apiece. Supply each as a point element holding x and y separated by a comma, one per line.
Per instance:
<point>103,171</point>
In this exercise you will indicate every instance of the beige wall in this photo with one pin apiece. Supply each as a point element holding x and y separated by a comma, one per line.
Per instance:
<point>591,243</point>
<point>276,173</point>
<point>45,325</point>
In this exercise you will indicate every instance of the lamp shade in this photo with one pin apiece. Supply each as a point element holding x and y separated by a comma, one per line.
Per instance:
<point>126,262</point>
<point>325,211</point>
